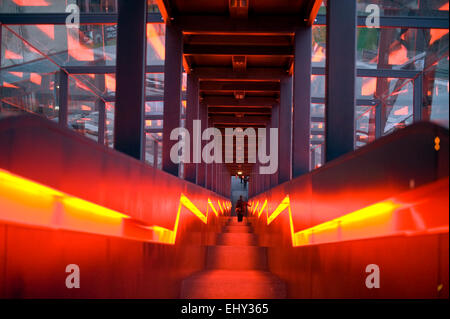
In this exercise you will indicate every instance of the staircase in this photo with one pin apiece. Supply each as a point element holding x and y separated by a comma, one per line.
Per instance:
<point>236,268</point>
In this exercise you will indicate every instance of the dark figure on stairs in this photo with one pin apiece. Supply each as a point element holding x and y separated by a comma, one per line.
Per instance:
<point>241,208</point>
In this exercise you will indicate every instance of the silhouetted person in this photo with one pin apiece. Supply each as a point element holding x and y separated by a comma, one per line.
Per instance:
<point>241,207</point>
<point>245,181</point>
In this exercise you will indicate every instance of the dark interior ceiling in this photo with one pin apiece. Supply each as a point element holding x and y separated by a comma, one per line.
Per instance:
<point>239,49</point>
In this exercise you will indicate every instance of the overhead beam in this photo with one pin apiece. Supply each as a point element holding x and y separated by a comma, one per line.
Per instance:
<point>232,86</point>
<point>213,24</point>
<point>232,39</point>
<point>238,9</point>
<point>231,50</point>
<point>234,110</point>
<point>227,101</point>
<point>251,74</point>
<point>164,10</point>
<point>233,120</point>
<point>314,9</point>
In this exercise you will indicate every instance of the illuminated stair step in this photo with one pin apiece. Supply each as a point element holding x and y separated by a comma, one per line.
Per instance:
<point>235,268</point>
<point>237,229</point>
<point>232,284</point>
<point>234,222</point>
<point>236,257</point>
<point>237,239</point>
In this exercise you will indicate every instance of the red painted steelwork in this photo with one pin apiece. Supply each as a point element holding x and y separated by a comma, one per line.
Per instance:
<point>57,227</point>
<point>384,204</point>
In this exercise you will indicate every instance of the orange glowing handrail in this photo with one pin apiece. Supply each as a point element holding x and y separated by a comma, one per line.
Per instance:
<point>381,211</point>
<point>17,187</point>
<point>220,206</point>
<point>212,207</point>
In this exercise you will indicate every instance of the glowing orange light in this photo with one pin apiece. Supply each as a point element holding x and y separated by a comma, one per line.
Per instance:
<point>77,50</point>
<point>86,108</point>
<point>9,85</point>
<point>17,74</point>
<point>402,111</point>
<point>110,82</point>
<point>437,142</point>
<point>399,56</point>
<point>319,54</point>
<point>48,29</point>
<point>10,55</point>
<point>444,7</point>
<point>31,3</point>
<point>82,86</point>
<point>436,34</point>
<point>153,36</point>
<point>36,78</point>
<point>369,86</point>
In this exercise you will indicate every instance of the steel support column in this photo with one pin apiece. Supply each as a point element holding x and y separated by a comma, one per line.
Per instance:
<point>301,104</point>
<point>191,115</point>
<point>284,129</point>
<point>155,153</point>
<point>63,98</point>
<point>130,78</point>
<point>340,79</point>
<point>201,167</point>
<point>275,123</point>
<point>173,75</point>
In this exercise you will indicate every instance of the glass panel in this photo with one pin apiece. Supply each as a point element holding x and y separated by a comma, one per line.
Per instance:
<point>155,43</point>
<point>154,108</point>
<point>92,44</point>
<point>56,6</point>
<point>83,111</point>
<point>317,86</point>
<point>323,7</point>
<point>151,145</point>
<point>436,89</point>
<point>430,8</point>
<point>109,125</point>
<point>317,135</point>
<point>29,82</point>
<point>318,46</point>
<point>397,48</point>
<point>154,124</point>
<point>152,6</point>
<point>365,125</point>
<point>395,97</point>
<point>317,156</point>
<point>154,85</point>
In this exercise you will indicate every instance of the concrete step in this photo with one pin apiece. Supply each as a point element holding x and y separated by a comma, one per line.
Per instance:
<point>234,222</point>
<point>231,284</point>
<point>237,239</point>
<point>237,229</point>
<point>236,257</point>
